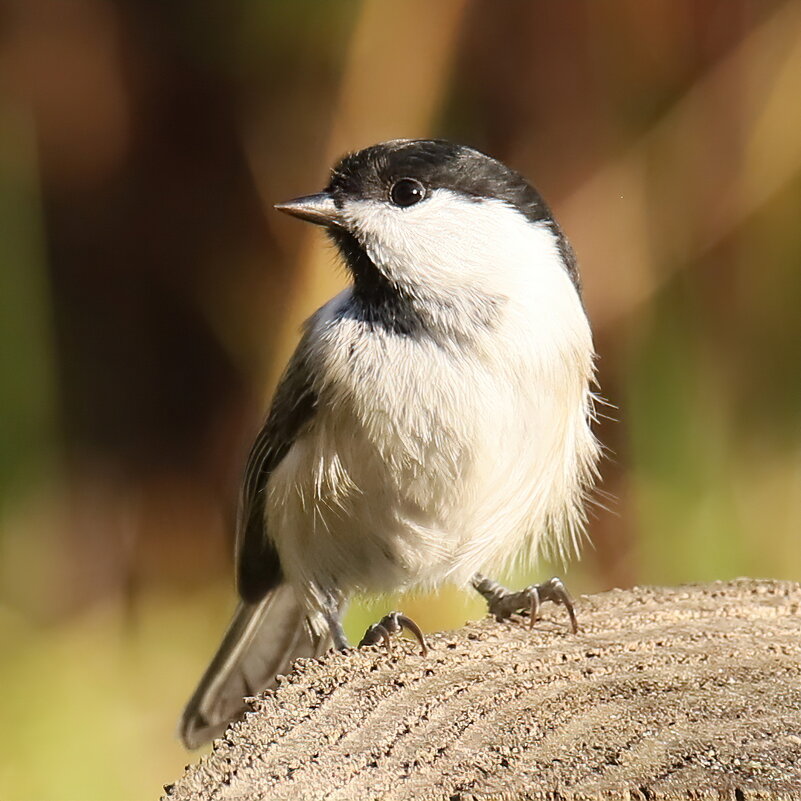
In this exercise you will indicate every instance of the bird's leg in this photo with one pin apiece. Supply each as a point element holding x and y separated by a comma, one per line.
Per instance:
<point>504,603</point>
<point>381,632</point>
<point>393,623</point>
<point>332,612</point>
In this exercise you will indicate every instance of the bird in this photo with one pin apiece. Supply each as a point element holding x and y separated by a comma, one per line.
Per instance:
<point>434,424</point>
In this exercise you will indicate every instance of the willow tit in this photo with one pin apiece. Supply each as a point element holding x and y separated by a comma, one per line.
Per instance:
<point>434,421</point>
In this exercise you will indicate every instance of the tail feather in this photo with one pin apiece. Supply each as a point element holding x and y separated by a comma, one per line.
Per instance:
<point>262,640</point>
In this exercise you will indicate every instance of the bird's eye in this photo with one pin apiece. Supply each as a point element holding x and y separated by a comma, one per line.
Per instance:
<point>407,192</point>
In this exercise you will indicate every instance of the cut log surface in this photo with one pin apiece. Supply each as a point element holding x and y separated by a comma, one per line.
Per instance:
<point>688,692</point>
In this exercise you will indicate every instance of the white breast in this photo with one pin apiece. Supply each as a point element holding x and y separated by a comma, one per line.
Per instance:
<point>428,463</point>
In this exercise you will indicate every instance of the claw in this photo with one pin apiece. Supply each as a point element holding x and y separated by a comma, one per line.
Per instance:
<point>408,623</point>
<point>393,623</point>
<point>503,604</point>
<point>534,610</point>
<point>555,590</point>
<point>376,634</point>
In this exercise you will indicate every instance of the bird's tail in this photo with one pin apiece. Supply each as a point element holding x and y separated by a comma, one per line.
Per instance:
<point>262,640</point>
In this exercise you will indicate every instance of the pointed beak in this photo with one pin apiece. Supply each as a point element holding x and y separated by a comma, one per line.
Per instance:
<point>318,209</point>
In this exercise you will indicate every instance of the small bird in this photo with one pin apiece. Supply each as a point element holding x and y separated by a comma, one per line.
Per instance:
<point>433,423</point>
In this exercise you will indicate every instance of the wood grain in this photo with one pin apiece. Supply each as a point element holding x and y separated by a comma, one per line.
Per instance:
<point>688,692</point>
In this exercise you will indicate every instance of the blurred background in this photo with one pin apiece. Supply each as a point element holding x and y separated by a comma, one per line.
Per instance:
<point>149,297</point>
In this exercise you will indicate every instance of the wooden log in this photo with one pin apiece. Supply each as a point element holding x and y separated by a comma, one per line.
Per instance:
<point>687,692</point>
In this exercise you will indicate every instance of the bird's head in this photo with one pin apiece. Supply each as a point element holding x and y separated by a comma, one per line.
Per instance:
<point>437,223</point>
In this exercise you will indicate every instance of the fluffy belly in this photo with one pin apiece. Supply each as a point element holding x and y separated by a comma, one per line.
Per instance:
<point>430,471</point>
<point>351,514</point>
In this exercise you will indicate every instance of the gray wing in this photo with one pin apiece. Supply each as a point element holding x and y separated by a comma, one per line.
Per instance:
<point>258,569</point>
<point>269,629</point>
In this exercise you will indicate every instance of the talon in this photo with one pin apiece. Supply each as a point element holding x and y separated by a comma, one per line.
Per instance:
<point>534,609</point>
<point>503,604</point>
<point>408,623</point>
<point>557,592</point>
<point>376,634</point>
<point>393,623</point>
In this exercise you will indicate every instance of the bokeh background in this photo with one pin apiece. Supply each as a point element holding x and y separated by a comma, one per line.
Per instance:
<point>149,296</point>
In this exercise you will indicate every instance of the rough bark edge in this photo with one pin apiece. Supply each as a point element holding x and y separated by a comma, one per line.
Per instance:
<point>687,692</point>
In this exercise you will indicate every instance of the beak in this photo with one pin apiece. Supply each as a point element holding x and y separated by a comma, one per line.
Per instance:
<point>318,209</point>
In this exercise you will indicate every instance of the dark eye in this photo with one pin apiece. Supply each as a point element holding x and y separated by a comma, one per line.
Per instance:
<point>407,192</point>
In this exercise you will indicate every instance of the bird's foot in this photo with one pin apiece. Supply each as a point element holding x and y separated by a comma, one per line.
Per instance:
<point>504,603</point>
<point>393,623</point>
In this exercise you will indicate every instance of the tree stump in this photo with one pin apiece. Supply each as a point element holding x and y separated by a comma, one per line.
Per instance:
<point>688,692</point>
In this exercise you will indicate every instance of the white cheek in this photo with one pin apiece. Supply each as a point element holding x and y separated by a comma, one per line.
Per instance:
<point>451,252</point>
<point>453,242</point>
<point>421,242</point>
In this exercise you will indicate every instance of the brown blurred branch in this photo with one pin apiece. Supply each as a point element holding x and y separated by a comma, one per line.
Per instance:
<point>680,692</point>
